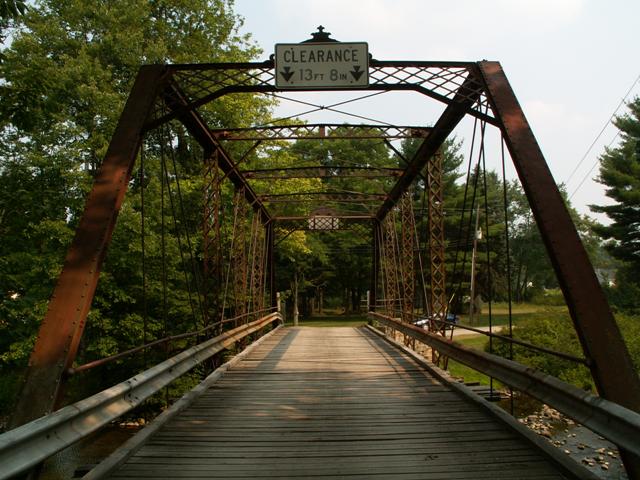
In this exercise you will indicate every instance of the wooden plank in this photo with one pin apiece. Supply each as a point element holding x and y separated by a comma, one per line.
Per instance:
<point>334,403</point>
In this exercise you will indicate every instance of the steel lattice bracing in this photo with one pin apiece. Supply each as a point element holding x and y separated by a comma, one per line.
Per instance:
<point>407,255</point>
<point>435,206</point>
<point>177,92</point>
<point>321,131</point>
<point>257,265</point>
<point>212,239</point>
<point>390,261</point>
<point>443,81</point>
<point>239,253</point>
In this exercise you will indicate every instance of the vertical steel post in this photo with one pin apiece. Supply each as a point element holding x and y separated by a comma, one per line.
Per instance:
<point>595,325</point>
<point>375,265</point>
<point>271,264</point>
<point>212,240</point>
<point>407,255</point>
<point>60,332</point>
<point>390,264</point>
<point>435,209</point>
<point>239,254</point>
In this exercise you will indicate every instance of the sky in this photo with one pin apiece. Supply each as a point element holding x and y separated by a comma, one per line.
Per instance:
<point>570,63</point>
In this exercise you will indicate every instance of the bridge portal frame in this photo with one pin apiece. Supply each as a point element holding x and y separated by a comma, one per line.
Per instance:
<point>162,93</point>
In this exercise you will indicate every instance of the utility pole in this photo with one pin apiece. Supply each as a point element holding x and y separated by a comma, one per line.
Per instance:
<point>477,235</point>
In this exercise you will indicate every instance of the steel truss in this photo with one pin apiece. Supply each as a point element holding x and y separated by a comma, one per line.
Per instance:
<point>163,93</point>
<point>258,260</point>
<point>392,294</point>
<point>407,255</point>
<point>320,131</point>
<point>212,240</point>
<point>435,234</point>
<point>321,171</point>
<point>443,81</point>
<point>239,253</point>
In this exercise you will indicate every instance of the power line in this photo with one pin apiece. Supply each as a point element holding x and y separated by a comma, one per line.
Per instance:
<point>584,179</point>
<point>601,132</point>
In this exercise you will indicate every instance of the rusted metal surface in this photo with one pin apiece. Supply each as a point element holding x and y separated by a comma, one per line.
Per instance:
<point>161,341</point>
<point>602,343</point>
<point>198,128</point>
<point>26,446</point>
<point>390,259</point>
<point>60,332</point>
<point>239,253</point>
<point>270,265</point>
<point>599,334</point>
<point>455,111</point>
<point>212,239</point>
<point>257,265</point>
<point>407,255</point>
<point>375,265</point>
<point>352,197</point>
<point>442,81</point>
<point>437,267</point>
<point>322,171</point>
<point>609,419</point>
<point>324,131</point>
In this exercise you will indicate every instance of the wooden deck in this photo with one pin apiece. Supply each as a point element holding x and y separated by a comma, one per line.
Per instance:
<point>334,403</point>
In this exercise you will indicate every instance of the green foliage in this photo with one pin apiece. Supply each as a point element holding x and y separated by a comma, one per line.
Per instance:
<point>63,83</point>
<point>12,8</point>
<point>553,330</point>
<point>620,174</point>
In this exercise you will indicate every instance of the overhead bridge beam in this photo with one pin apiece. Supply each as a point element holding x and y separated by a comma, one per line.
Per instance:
<point>198,128</point>
<point>320,131</point>
<point>322,171</point>
<point>455,111</point>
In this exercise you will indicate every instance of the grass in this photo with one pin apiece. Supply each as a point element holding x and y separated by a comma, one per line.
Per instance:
<point>459,370</point>
<point>500,313</point>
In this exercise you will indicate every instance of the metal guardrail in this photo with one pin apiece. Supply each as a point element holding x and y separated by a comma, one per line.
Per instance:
<point>30,444</point>
<point>614,422</point>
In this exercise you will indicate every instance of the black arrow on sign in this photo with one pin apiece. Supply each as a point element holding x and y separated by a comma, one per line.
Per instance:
<point>356,72</point>
<point>287,74</point>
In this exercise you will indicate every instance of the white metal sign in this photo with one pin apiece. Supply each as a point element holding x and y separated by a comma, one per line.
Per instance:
<point>322,65</point>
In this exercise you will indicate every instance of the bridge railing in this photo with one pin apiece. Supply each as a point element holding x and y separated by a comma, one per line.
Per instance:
<point>34,442</point>
<point>614,422</point>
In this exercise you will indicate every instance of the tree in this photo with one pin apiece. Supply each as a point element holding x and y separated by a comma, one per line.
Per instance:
<point>620,174</point>
<point>63,84</point>
<point>10,10</point>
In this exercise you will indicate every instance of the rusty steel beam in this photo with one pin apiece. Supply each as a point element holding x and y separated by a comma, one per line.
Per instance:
<point>375,266</point>
<point>60,332</point>
<point>392,294</point>
<point>321,171</point>
<point>437,267</point>
<point>322,131</point>
<point>239,253</point>
<point>212,238</point>
<point>599,335</point>
<point>270,264</point>
<point>455,111</point>
<point>322,196</point>
<point>407,255</point>
<point>197,127</point>
<point>442,81</point>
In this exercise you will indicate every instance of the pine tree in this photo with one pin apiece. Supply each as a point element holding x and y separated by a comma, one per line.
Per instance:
<point>620,173</point>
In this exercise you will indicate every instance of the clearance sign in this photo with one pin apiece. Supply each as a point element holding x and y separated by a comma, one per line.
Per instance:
<point>322,65</point>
